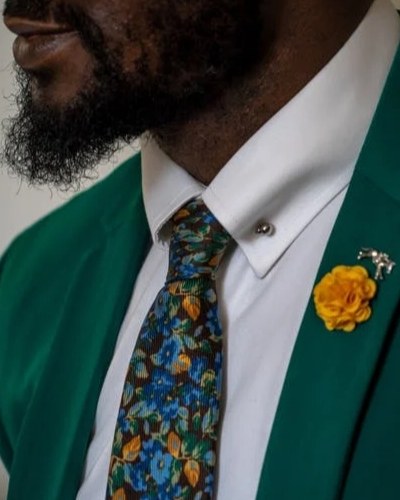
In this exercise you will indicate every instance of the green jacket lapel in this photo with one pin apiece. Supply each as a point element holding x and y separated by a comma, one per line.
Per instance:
<point>97,293</point>
<point>330,374</point>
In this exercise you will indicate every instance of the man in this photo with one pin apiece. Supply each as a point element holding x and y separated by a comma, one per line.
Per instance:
<point>262,109</point>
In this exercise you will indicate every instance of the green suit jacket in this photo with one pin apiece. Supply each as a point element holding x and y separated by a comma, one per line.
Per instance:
<point>65,285</point>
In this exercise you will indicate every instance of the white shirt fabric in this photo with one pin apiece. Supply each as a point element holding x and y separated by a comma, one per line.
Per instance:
<point>293,173</point>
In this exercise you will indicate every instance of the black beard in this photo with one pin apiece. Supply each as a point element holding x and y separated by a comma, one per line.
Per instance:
<point>60,147</point>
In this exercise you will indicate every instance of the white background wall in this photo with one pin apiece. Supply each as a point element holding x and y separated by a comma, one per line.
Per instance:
<point>19,204</point>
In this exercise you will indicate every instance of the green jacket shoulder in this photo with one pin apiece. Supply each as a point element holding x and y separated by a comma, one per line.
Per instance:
<point>83,219</point>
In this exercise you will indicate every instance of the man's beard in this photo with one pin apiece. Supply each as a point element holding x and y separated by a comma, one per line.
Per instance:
<point>60,147</point>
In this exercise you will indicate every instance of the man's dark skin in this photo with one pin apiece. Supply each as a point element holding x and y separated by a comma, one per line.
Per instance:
<point>296,39</point>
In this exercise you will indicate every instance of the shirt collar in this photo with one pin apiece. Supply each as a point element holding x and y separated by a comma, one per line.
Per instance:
<point>166,187</point>
<point>298,161</point>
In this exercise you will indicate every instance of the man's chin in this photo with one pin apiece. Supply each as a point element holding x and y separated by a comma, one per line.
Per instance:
<point>66,126</point>
<point>53,144</point>
<point>56,91</point>
<point>51,94</point>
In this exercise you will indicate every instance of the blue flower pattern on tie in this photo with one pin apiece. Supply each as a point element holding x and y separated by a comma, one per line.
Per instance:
<point>165,439</point>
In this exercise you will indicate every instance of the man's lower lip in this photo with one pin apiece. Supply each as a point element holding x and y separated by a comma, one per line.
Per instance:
<point>32,52</point>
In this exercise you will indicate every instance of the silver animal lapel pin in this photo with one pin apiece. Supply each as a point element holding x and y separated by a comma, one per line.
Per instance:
<point>381,260</point>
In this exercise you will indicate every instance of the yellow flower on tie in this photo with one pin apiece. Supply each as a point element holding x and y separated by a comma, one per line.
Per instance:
<point>192,472</point>
<point>192,306</point>
<point>131,450</point>
<point>174,444</point>
<point>119,495</point>
<point>342,297</point>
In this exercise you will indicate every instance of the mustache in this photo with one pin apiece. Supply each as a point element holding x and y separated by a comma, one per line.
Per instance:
<point>33,9</point>
<point>62,13</point>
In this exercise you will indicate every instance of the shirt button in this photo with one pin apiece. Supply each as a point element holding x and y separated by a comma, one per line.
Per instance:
<point>265,228</point>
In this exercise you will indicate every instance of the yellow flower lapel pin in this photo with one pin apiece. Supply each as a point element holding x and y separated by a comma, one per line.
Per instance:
<point>342,298</point>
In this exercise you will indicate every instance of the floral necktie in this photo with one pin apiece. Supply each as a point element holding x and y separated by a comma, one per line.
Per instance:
<point>166,434</point>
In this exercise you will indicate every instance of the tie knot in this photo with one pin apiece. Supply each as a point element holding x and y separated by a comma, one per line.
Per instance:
<point>198,242</point>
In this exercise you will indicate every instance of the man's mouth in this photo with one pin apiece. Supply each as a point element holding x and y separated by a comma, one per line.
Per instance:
<point>38,41</point>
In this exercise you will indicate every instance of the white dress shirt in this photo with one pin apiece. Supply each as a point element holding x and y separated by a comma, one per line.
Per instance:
<point>293,173</point>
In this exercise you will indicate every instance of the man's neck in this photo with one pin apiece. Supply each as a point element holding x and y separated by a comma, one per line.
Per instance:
<point>307,35</point>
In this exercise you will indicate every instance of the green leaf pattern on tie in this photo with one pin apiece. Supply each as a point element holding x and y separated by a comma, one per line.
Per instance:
<point>166,434</point>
